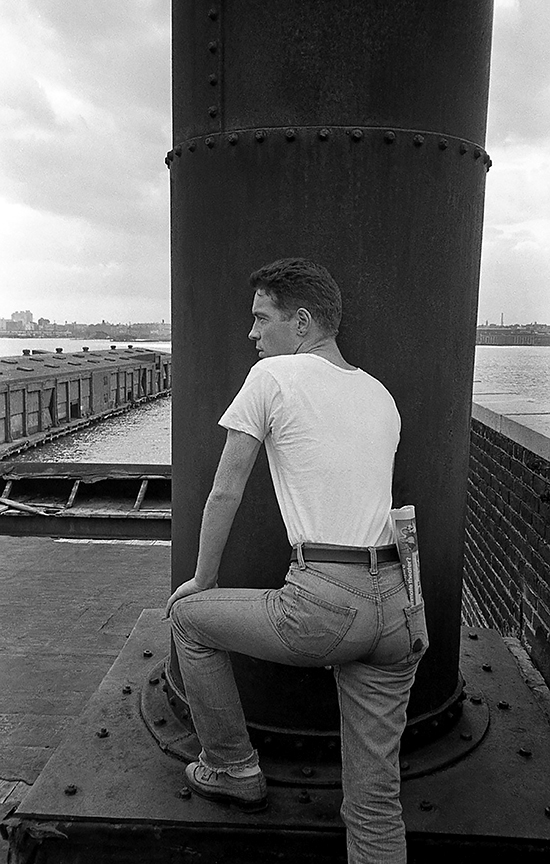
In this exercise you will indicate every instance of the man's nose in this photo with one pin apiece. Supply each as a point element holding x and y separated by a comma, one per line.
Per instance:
<point>253,334</point>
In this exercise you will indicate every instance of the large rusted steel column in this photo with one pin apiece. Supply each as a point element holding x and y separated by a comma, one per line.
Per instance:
<point>351,133</point>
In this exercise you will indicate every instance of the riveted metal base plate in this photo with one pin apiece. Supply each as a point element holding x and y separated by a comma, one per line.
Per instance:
<point>125,804</point>
<point>306,761</point>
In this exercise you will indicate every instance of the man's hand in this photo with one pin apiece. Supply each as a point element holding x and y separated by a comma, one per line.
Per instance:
<point>184,590</point>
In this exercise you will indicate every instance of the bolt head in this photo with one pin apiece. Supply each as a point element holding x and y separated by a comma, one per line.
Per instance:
<point>213,47</point>
<point>102,733</point>
<point>126,689</point>
<point>233,138</point>
<point>304,797</point>
<point>426,806</point>
<point>307,771</point>
<point>213,110</point>
<point>504,705</point>
<point>178,150</point>
<point>473,636</point>
<point>487,667</point>
<point>160,721</point>
<point>290,134</point>
<point>71,789</point>
<point>525,752</point>
<point>192,146</point>
<point>153,681</point>
<point>213,14</point>
<point>466,736</point>
<point>443,144</point>
<point>147,653</point>
<point>184,793</point>
<point>213,79</point>
<point>463,148</point>
<point>418,140</point>
<point>260,135</point>
<point>209,142</point>
<point>389,137</point>
<point>405,766</point>
<point>477,153</point>
<point>357,134</point>
<point>476,700</point>
<point>323,134</point>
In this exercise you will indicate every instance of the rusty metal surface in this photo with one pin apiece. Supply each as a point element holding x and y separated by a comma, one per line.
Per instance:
<point>352,135</point>
<point>403,263</point>
<point>86,500</point>
<point>319,61</point>
<point>497,793</point>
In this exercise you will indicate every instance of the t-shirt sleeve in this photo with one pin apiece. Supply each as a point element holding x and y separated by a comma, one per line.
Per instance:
<point>253,408</point>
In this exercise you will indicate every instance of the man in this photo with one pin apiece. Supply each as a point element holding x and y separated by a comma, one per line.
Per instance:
<point>331,432</point>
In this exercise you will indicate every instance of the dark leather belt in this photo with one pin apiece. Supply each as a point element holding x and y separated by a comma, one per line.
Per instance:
<point>344,554</point>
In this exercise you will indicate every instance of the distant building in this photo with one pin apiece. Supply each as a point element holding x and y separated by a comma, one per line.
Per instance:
<point>25,317</point>
<point>515,334</point>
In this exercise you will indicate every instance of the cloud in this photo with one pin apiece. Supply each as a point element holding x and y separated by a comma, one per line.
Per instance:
<point>85,111</point>
<point>86,105</point>
<point>515,275</point>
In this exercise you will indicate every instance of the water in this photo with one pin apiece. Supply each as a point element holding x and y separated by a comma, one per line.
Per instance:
<point>143,435</point>
<point>523,370</point>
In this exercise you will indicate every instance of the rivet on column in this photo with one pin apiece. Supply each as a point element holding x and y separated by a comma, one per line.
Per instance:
<point>232,137</point>
<point>213,14</point>
<point>178,150</point>
<point>213,110</point>
<point>213,47</point>
<point>213,79</point>
<point>389,137</point>
<point>418,140</point>
<point>323,134</point>
<point>477,153</point>
<point>192,146</point>
<point>260,135</point>
<point>443,144</point>
<point>463,148</point>
<point>357,134</point>
<point>290,134</point>
<point>209,142</point>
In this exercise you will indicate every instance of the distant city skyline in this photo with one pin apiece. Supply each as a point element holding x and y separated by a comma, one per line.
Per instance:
<point>84,193</point>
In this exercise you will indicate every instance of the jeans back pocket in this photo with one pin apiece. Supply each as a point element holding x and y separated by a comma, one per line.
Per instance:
<point>418,633</point>
<point>308,624</point>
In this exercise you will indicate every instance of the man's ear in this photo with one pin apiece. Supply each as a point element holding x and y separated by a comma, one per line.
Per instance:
<point>303,321</point>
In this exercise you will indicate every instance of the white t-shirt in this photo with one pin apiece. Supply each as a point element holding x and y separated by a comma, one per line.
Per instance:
<point>330,436</point>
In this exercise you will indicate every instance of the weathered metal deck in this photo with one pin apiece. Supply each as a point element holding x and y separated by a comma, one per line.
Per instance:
<point>66,610</point>
<point>86,500</point>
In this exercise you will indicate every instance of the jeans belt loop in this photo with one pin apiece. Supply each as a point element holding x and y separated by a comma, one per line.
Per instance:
<point>300,556</point>
<point>373,561</point>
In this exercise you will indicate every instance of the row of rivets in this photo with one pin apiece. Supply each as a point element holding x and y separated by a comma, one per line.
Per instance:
<point>213,78</point>
<point>357,135</point>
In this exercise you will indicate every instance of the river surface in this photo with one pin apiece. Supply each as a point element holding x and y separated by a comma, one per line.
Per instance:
<point>142,435</point>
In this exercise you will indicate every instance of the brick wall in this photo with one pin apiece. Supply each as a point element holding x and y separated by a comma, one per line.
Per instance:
<point>507,548</point>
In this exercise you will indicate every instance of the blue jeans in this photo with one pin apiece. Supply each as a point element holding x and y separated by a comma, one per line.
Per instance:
<point>341,615</point>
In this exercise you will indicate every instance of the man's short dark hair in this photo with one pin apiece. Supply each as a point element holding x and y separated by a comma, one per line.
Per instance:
<point>293,283</point>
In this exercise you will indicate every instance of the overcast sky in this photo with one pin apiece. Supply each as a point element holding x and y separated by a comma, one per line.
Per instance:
<point>85,124</point>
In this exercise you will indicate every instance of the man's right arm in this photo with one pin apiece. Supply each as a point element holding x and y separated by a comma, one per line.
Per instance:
<point>235,465</point>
